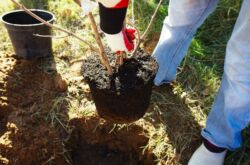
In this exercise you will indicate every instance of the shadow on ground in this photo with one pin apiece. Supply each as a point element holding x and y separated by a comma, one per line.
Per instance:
<point>169,109</point>
<point>182,130</point>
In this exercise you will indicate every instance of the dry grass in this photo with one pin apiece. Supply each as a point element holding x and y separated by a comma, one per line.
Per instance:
<point>177,113</point>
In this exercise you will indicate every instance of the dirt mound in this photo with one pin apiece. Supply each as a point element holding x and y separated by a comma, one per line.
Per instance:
<point>27,96</point>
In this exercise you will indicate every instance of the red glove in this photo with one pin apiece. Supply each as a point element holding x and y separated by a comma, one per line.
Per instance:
<point>112,15</point>
<point>123,41</point>
<point>114,3</point>
<point>130,34</point>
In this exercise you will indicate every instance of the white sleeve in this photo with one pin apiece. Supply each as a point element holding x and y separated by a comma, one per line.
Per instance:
<point>109,3</point>
<point>116,42</point>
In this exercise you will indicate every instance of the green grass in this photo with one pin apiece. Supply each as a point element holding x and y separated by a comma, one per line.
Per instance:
<point>40,4</point>
<point>202,68</point>
<point>205,58</point>
<point>203,65</point>
<point>197,82</point>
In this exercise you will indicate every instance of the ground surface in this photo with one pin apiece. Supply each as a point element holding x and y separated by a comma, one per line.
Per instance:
<point>47,115</point>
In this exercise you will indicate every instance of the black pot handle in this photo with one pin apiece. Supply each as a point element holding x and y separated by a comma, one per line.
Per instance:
<point>50,36</point>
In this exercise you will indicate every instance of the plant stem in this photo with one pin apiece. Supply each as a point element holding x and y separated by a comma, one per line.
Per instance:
<point>151,21</point>
<point>102,54</point>
<point>148,28</point>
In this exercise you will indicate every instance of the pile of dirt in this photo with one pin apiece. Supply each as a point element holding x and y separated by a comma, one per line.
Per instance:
<point>27,96</point>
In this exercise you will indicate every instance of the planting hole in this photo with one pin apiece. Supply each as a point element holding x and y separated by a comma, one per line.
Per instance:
<point>96,142</point>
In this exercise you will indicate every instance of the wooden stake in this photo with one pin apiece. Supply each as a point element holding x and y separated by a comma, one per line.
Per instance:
<point>120,58</point>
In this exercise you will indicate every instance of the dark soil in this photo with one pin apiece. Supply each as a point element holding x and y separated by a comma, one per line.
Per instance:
<point>30,94</point>
<point>123,97</point>
<point>133,73</point>
<point>95,144</point>
<point>29,135</point>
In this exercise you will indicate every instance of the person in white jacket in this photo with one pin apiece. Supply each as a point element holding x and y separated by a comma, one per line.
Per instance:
<point>112,16</point>
<point>230,113</point>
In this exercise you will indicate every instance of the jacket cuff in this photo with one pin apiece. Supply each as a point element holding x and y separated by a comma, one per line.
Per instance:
<point>111,19</point>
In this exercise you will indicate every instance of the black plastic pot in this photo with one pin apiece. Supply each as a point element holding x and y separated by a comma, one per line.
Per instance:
<point>22,30</point>
<point>123,97</point>
<point>126,107</point>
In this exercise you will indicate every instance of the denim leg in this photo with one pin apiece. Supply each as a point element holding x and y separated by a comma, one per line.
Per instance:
<point>184,18</point>
<point>230,113</point>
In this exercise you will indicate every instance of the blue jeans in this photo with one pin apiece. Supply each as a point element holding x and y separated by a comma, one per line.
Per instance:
<point>230,113</point>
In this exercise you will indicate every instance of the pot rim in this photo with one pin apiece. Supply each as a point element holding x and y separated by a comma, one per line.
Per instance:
<point>26,25</point>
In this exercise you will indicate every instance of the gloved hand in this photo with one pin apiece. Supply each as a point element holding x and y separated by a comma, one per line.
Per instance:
<point>109,3</point>
<point>112,15</point>
<point>86,5</point>
<point>114,3</point>
<point>122,41</point>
